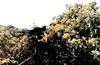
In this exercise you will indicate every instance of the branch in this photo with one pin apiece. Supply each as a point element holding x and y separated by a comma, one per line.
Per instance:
<point>25,60</point>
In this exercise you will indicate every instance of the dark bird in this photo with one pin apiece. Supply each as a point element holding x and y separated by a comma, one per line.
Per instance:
<point>37,31</point>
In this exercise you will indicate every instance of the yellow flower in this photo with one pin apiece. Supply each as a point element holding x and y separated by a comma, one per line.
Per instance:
<point>66,35</point>
<point>58,27</point>
<point>75,40</point>
<point>5,61</point>
<point>92,40</point>
<point>45,37</point>
<point>95,52</point>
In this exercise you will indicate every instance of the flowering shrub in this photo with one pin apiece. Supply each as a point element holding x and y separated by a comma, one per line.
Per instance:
<point>10,44</point>
<point>73,38</point>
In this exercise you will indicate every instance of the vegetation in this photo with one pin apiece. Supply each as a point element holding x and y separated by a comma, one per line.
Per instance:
<point>73,38</point>
<point>10,44</point>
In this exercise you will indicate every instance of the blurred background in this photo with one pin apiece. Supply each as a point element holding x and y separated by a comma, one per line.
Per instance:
<point>26,13</point>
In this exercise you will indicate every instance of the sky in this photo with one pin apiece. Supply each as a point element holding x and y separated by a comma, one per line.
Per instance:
<point>26,13</point>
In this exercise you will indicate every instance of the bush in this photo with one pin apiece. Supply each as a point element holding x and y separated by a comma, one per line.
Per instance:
<point>10,44</point>
<point>72,39</point>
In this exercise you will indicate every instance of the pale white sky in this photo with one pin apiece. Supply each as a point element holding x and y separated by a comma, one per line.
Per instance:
<point>23,13</point>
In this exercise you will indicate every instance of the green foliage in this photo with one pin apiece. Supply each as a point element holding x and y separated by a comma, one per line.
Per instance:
<point>72,39</point>
<point>79,17</point>
<point>10,44</point>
